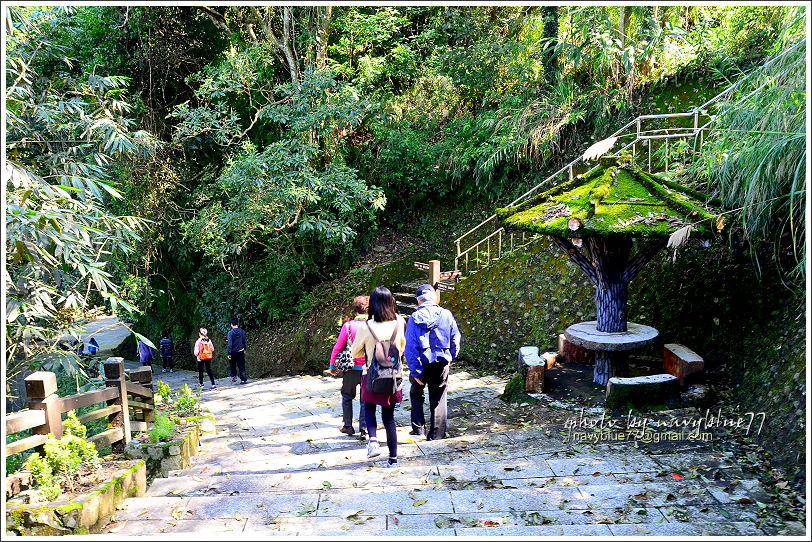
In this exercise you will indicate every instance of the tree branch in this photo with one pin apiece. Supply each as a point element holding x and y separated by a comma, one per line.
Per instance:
<point>577,258</point>
<point>642,258</point>
<point>217,18</point>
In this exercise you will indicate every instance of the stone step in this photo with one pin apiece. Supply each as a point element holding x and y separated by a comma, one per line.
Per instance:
<point>279,466</point>
<point>394,514</point>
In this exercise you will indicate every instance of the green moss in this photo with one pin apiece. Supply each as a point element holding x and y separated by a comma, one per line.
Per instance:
<point>17,517</point>
<point>203,417</point>
<point>514,391</point>
<point>611,201</point>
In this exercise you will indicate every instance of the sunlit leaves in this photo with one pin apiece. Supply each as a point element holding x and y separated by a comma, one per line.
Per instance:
<point>65,135</point>
<point>755,155</point>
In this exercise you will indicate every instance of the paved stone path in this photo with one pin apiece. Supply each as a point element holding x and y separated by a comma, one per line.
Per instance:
<point>279,466</point>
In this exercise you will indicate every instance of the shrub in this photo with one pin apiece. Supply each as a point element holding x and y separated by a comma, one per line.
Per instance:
<point>162,429</point>
<point>63,458</point>
<point>164,392</point>
<point>186,403</point>
<point>73,426</point>
<point>43,476</point>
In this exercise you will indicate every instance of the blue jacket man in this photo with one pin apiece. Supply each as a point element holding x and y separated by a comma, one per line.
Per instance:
<point>235,350</point>
<point>432,343</point>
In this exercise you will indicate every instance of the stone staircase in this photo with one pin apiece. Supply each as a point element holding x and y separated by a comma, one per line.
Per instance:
<point>279,466</point>
<point>404,296</point>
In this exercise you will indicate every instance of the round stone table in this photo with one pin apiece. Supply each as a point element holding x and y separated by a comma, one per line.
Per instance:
<point>610,348</point>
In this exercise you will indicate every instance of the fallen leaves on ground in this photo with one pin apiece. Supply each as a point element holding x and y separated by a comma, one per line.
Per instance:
<point>307,508</point>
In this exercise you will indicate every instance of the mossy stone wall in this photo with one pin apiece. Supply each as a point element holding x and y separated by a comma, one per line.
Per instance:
<point>82,514</point>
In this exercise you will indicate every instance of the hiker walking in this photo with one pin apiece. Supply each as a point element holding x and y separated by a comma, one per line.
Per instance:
<point>432,343</point>
<point>204,352</point>
<point>167,352</point>
<point>381,339</point>
<point>235,350</point>
<point>351,369</point>
<point>92,346</point>
<point>144,354</point>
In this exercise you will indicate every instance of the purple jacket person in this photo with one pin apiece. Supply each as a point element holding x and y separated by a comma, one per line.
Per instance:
<point>432,343</point>
<point>144,353</point>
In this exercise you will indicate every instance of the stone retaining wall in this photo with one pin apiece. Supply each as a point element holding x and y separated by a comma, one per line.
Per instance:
<point>176,454</point>
<point>82,514</point>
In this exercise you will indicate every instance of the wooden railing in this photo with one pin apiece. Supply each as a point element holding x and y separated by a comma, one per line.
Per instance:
<point>128,407</point>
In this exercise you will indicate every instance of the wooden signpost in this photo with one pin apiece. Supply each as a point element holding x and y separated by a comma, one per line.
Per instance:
<point>436,277</point>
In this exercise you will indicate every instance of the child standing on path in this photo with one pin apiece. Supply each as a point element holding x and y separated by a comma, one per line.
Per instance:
<point>204,352</point>
<point>235,350</point>
<point>384,323</point>
<point>167,351</point>
<point>351,379</point>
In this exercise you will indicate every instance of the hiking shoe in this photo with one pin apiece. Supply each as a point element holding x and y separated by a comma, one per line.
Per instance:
<point>213,387</point>
<point>347,430</point>
<point>163,370</point>
<point>234,379</point>
<point>243,382</point>
<point>171,370</point>
<point>373,448</point>
<point>392,464</point>
<point>415,432</point>
<point>362,435</point>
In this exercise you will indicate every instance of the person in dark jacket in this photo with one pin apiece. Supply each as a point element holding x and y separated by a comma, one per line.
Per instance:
<point>432,343</point>
<point>93,346</point>
<point>235,350</point>
<point>167,352</point>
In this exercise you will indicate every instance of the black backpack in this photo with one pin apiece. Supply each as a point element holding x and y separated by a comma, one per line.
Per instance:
<point>385,374</point>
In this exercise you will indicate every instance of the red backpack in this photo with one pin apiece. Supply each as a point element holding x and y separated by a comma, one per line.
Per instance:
<point>206,351</point>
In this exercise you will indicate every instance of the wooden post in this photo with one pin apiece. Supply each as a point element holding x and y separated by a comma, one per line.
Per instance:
<point>143,376</point>
<point>115,378</point>
<point>40,388</point>
<point>434,276</point>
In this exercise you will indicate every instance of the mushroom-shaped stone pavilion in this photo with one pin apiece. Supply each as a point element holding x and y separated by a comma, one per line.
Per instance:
<point>595,218</point>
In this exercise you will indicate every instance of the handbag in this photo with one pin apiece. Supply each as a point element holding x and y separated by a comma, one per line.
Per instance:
<point>344,361</point>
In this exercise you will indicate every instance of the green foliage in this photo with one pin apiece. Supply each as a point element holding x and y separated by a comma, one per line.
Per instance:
<point>43,475</point>
<point>164,392</point>
<point>72,425</point>
<point>186,403</point>
<point>65,136</point>
<point>63,458</point>
<point>287,129</point>
<point>756,158</point>
<point>163,428</point>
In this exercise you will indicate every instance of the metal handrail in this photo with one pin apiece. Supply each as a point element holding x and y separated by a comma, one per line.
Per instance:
<point>640,135</point>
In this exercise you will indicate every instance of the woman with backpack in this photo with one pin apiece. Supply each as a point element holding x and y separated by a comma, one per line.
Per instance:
<point>342,363</point>
<point>204,352</point>
<point>382,341</point>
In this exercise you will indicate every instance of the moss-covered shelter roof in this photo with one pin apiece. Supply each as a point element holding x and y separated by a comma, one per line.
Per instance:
<point>614,199</point>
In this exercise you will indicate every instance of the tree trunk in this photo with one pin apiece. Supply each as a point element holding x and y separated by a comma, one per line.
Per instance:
<point>611,299</point>
<point>609,364</point>
<point>323,32</point>
<point>610,257</point>
<point>549,59</point>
